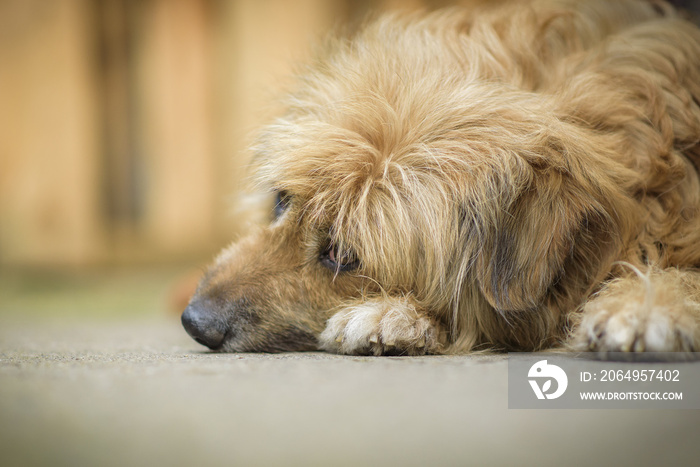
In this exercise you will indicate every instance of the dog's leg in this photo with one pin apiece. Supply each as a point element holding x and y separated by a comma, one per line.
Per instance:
<point>383,326</point>
<point>659,312</point>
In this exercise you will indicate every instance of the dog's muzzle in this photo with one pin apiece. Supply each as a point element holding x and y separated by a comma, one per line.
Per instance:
<point>203,325</point>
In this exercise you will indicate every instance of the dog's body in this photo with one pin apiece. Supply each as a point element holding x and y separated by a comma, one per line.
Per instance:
<point>517,177</point>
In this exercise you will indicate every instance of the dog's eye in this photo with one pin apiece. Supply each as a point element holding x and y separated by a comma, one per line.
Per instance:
<point>282,200</point>
<point>338,261</point>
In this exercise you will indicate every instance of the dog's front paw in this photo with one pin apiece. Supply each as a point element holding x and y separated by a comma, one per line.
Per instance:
<point>632,329</point>
<point>638,320</point>
<point>386,326</point>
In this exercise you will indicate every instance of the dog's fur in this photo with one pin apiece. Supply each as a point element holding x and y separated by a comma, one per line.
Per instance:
<point>513,177</point>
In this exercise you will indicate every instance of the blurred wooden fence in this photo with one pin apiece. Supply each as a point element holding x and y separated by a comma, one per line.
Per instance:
<point>123,123</point>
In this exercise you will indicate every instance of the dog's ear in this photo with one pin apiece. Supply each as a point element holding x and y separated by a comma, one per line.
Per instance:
<point>526,251</point>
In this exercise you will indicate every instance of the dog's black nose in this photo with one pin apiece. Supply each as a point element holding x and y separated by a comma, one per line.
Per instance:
<point>204,325</point>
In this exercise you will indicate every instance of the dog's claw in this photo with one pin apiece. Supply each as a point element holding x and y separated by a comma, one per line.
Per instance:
<point>421,343</point>
<point>374,339</point>
<point>339,339</point>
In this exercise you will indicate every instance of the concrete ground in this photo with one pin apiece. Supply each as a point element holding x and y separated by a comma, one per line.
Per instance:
<point>94,372</point>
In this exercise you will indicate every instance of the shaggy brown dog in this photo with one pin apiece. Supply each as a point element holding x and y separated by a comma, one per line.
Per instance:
<point>517,177</point>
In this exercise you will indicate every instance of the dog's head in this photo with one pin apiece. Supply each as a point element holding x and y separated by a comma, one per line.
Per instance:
<point>397,171</point>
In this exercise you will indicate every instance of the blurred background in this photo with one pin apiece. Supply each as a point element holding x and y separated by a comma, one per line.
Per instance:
<point>124,126</point>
